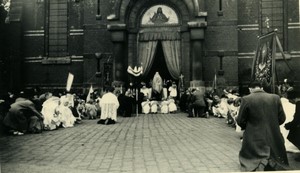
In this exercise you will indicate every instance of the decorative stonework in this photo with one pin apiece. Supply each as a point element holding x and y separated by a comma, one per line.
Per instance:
<point>159,14</point>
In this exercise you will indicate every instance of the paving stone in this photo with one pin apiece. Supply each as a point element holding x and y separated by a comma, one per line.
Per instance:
<point>145,144</point>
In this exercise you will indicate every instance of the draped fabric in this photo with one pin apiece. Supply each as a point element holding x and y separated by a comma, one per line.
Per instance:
<point>147,43</point>
<point>146,52</point>
<point>154,36</point>
<point>171,49</point>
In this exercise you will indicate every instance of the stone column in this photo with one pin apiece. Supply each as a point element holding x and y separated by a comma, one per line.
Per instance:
<point>118,37</point>
<point>197,38</point>
<point>197,59</point>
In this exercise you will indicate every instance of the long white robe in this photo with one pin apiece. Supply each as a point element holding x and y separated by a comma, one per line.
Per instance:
<point>66,116</point>
<point>51,119</point>
<point>157,83</point>
<point>146,107</point>
<point>109,104</point>
<point>154,106</point>
<point>289,110</point>
<point>172,105</point>
<point>164,107</point>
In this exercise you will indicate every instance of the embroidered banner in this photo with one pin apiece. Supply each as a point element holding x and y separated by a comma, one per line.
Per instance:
<point>263,67</point>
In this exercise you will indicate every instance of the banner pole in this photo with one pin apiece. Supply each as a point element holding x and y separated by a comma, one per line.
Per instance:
<point>273,62</point>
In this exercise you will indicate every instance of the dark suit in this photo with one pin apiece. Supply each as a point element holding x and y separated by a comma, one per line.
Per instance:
<point>198,104</point>
<point>22,116</point>
<point>260,115</point>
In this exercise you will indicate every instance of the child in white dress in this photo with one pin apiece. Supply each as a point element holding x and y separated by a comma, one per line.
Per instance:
<point>154,106</point>
<point>146,107</point>
<point>164,107</point>
<point>172,105</point>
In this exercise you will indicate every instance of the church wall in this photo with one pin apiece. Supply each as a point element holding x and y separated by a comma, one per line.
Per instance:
<point>221,39</point>
<point>293,44</point>
<point>33,29</point>
<point>186,65</point>
<point>250,27</point>
<point>87,34</point>
<point>49,76</point>
<point>230,64</point>
<point>293,25</point>
<point>248,31</point>
<point>231,32</point>
<point>38,69</point>
<point>96,38</point>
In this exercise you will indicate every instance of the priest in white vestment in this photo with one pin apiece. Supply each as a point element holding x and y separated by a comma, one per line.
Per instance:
<point>109,105</point>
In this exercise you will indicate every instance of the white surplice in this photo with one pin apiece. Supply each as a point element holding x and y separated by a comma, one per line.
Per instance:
<point>109,104</point>
<point>289,110</point>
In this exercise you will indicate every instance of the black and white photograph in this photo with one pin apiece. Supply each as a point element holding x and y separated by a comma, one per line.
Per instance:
<point>149,86</point>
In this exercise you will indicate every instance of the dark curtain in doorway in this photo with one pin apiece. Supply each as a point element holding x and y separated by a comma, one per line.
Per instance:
<point>147,46</point>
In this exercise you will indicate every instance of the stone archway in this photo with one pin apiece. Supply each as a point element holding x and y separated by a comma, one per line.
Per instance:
<point>125,27</point>
<point>159,24</point>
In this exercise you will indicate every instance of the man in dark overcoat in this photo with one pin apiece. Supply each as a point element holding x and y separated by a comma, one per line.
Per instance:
<point>260,115</point>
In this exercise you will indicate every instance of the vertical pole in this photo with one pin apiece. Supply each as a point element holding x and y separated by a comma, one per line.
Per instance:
<point>273,62</point>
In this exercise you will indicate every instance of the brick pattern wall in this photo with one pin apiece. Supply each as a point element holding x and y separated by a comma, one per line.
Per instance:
<point>236,30</point>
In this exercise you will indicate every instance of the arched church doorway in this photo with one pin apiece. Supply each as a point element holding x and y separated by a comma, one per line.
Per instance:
<point>159,65</point>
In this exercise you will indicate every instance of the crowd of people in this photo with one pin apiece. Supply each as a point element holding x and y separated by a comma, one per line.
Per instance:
<point>30,111</point>
<point>270,123</point>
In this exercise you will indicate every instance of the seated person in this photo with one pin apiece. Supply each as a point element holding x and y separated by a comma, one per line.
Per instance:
<point>164,106</point>
<point>154,106</point>
<point>208,99</point>
<point>23,117</point>
<point>66,116</point>
<point>172,105</point>
<point>146,107</point>
<point>220,108</point>
<point>91,109</point>
<point>145,91</point>
<point>81,108</point>
<point>51,119</point>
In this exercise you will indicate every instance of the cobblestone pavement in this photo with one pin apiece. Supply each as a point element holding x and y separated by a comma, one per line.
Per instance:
<point>148,143</point>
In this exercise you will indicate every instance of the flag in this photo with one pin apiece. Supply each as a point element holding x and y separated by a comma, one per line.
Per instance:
<point>88,98</point>
<point>263,67</point>
<point>69,82</point>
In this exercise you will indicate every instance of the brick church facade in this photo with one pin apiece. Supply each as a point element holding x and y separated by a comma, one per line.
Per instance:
<point>96,40</point>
